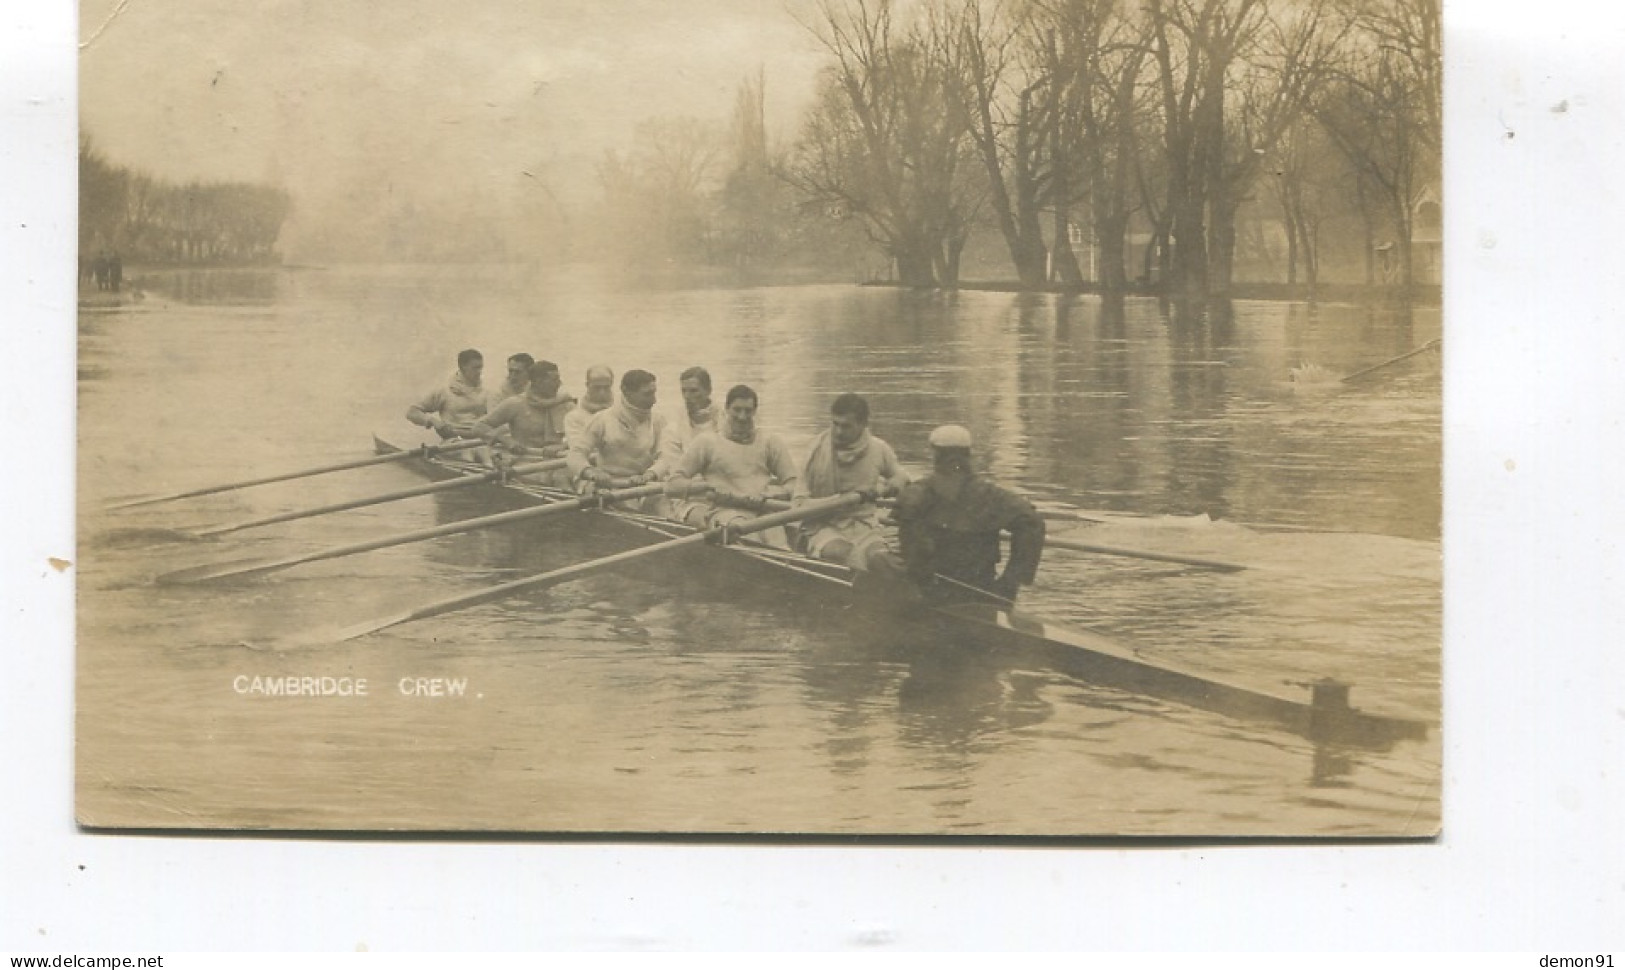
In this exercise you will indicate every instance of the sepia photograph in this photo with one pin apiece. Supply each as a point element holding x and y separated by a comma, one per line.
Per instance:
<point>761,419</point>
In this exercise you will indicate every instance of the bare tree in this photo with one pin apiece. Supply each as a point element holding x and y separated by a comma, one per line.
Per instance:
<point>1011,98</point>
<point>886,141</point>
<point>1383,111</point>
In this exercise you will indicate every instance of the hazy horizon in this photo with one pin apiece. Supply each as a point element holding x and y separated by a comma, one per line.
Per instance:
<point>491,112</point>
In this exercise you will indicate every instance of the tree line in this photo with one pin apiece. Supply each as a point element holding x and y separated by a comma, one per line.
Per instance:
<point>144,218</point>
<point>1061,124</point>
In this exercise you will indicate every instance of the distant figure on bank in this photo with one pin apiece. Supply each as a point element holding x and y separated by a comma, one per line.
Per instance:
<point>452,410</point>
<point>530,426</point>
<point>624,446</point>
<point>598,396</point>
<point>514,382</point>
<point>847,458</point>
<point>741,466</point>
<point>115,272</point>
<point>699,414</point>
<point>951,521</point>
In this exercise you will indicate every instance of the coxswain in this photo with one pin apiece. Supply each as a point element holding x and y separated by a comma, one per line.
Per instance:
<point>730,474</point>
<point>847,458</point>
<point>517,379</point>
<point>623,446</point>
<point>699,414</point>
<point>530,426</point>
<point>451,410</point>
<point>951,521</point>
<point>598,396</point>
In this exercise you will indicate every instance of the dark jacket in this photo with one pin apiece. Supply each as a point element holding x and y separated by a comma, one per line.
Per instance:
<point>959,537</point>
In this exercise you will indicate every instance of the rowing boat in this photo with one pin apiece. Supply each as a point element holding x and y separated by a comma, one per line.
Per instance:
<point>1012,637</point>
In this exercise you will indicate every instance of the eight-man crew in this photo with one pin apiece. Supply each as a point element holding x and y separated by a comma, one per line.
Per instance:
<point>742,466</point>
<point>532,424</point>
<point>450,411</point>
<point>950,523</point>
<point>847,458</point>
<point>624,445</point>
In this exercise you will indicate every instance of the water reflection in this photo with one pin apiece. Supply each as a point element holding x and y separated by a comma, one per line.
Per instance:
<point>217,287</point>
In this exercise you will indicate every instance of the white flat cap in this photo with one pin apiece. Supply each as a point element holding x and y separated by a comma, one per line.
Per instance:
<point>950,436</point>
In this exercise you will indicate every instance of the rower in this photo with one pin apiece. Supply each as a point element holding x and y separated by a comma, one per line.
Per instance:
<point>625,445</point>
<point>451,411</point>
<point>599,395</point>
<point>699,414</point>
<point>742,467</point>
<point>950,523</point>
<point>847,458</point>
<point>517,380</point>
<point>532,424</point>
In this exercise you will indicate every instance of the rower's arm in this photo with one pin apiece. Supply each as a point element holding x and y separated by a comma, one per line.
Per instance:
<point>424,412</point>
<point>582,447</point>
<point>782,466</point>
<point>690,467</point>
<point>495,426</point>
<point>1026,528</point>
<point>893,477</point>
<point>665,455</point>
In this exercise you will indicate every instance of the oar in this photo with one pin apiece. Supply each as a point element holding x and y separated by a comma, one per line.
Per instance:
<point>1393,360</point>
<point>416,490</point>
<point>1077,546</point>
<point>203,574</point>
<point>425,451</point>
<point>720,533</point>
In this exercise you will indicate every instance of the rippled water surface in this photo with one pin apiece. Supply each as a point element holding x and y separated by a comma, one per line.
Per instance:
<point>694,694</point>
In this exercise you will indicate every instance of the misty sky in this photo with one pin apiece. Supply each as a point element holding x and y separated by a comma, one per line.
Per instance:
<point>448,102</point>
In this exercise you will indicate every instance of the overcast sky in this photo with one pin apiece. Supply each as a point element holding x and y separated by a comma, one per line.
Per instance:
<point>441,98</point>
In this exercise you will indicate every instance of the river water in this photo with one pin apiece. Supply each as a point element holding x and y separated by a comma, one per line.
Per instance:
<point>684,698</point>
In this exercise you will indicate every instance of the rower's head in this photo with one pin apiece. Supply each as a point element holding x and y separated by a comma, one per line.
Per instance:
<point>848,419</point>
<point>544,380</point>
<point>519,369</point>
<point>469,364</point>
<point>950,449</point>
<point>695,383</point>
<point>638,389</point>
<point>741,407</point>
<point>600,379</point>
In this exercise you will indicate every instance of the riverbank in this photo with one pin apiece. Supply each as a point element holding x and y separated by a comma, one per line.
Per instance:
<point>1417,295</point>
